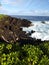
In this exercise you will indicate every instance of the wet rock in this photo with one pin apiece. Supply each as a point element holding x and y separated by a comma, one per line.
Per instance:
<point>32,31</point>
<point>43,22</point>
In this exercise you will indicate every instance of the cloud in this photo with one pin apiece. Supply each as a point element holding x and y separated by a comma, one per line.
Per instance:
<point>3,10</point>
<point>32,12</point>
<point>41,12</point>
<point>13,2</point>
<point>0,4</point>
<point>17,3</point>
<point>7,2</point>
<point>20,10</point>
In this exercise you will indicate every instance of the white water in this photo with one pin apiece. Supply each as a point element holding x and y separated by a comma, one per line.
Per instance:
<point>42,30</point>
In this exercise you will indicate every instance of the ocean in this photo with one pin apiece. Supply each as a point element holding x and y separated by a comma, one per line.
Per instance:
<point>41,29</point>
<point>33,18</point>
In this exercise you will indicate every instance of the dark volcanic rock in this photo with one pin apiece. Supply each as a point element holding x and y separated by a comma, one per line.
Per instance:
<point>43,22</point>
<point>10,29</point>
<point>32,31</point>
<point>26,23</point>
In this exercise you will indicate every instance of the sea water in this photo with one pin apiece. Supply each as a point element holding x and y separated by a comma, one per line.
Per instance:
<point>41,29</point>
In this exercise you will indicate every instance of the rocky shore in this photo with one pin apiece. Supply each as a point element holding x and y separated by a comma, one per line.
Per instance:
<point>10,29</point>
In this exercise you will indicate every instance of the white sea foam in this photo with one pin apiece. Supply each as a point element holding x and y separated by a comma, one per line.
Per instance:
<point>42,30</point>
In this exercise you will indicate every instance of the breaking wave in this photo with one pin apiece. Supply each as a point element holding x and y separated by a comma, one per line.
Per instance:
<point>41,30</point>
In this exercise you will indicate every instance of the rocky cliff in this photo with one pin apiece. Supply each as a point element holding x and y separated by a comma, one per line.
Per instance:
<point>10,28</point>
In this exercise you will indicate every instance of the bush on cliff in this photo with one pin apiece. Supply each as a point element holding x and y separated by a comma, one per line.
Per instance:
<point>14,54</point>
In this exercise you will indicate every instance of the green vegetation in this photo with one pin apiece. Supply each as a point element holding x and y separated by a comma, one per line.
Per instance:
<point>23,54</point>
<point>2,16</point>
<point>27,54</point>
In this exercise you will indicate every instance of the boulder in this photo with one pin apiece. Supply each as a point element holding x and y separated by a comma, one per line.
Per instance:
<point>43,22</point>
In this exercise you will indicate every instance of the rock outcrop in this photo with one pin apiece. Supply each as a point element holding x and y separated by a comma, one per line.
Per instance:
<point>43,22</point>
<point>10,28</point>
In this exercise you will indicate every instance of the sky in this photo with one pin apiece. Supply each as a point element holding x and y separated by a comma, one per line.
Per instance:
<point>25,7</point>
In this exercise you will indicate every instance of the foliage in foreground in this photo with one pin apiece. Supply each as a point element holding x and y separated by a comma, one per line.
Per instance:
<point>27,54</point>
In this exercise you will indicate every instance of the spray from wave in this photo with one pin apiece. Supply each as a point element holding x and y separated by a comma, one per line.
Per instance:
<point>41,30</point>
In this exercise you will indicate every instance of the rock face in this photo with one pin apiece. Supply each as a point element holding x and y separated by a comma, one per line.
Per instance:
<point>10,28</point>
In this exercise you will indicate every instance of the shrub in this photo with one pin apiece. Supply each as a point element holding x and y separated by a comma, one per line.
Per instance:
<point>11,58</point>
<point>45,48</point>
<point>15,54</point>
<point>44,61</point>
<point>33,54</point>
